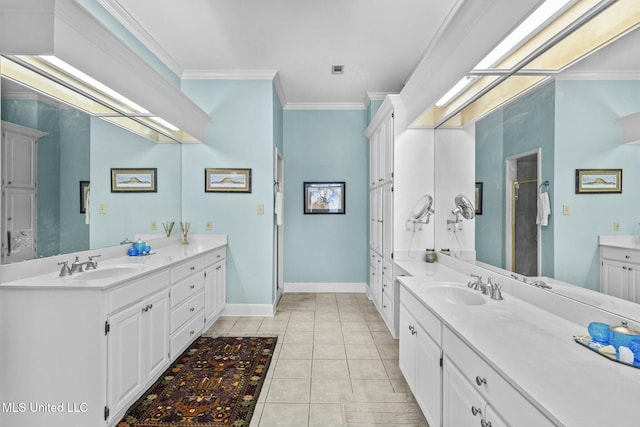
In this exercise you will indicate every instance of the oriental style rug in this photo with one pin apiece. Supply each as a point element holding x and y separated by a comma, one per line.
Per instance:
<point>214,383</point>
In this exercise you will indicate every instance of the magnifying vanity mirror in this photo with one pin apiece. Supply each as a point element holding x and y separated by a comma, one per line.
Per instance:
<point>567,121</point>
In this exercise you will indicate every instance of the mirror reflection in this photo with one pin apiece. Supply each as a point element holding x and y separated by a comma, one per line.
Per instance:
<point>57,192</point>
<point>527,154</point>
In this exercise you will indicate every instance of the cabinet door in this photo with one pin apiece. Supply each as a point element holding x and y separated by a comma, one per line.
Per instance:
<point>388,148</point>
<point>20,157</point>
<point>374,158</point>
<point>156,334</point>
<point>407,350</point>
<point>387,221</point>
<point>462,406</point>
<point>124,348</point>
<point>221,286</point>
<point>615,279</point>
<point>492,419</point>
<point>634,283</point>
<point>428,383</point>
<point>215,290</point>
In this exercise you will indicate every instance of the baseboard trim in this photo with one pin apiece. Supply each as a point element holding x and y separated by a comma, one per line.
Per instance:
<point>331,287</point>
<point>249,310</point>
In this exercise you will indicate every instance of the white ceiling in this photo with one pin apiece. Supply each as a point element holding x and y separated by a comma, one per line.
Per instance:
<point>379,42</point>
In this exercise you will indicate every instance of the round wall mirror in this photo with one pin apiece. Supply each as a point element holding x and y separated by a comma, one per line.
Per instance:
<point>423,207</point>
<point>464,207</point>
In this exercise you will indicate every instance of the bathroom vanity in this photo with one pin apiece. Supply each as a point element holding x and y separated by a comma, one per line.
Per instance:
<point>79,350</point>
<point>474,361</point>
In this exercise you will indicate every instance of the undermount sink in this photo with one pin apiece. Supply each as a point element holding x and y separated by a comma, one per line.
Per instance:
<point>456,294</point>
<point>107,272</point>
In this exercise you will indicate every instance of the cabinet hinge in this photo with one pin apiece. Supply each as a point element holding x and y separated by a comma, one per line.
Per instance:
<point>441,362</point>
<point>106,413</point>
<point>392,188</point>
<point>391,255</point>
<point>107,327</point>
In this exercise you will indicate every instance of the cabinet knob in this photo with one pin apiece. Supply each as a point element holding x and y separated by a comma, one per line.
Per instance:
<point>485,423</point>
<point>192,287</point>
<point>624,267</point>
<point>481,381</point>
<point>192,268</point>
<point>192,309</point>
<point>475,411</point>
<point>627,256</point>
<point>192,332</point>
<point>384,306</point>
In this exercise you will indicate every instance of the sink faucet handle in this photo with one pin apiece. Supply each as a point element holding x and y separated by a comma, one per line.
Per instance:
<point>496,292</point>
<point>475,284</point>
<point>76,266</point>
<point>94,256</point>
<point>65,270</point>
<point>91,265</point>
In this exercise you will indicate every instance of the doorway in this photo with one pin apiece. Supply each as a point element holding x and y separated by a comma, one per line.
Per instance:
<point>278,224</point>
<point>523,244</point>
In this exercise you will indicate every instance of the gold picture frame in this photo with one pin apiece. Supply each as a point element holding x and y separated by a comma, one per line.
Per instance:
<point>218,180</point>
<point>134,180</point>
<point>598,181</point>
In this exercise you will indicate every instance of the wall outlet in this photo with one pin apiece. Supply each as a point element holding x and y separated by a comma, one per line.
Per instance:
<point>209,225</point>
<point>102,208</point>
<point>154,225</point>
<point>566,210</point>
<point>616,226</point>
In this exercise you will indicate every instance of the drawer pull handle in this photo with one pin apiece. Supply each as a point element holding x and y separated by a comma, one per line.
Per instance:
<point>218,255</point>
<point>192,268</point>
<point>192,309</point>
<point>627,256</point>
<point>192,332</point>
<point>475,411</point>
<point>485,423</point>
<point>192,287</point>
<point>384,306</point>
<point>481,381</point>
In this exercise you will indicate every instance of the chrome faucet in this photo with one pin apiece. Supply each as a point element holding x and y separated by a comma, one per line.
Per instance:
<point>76,267</point>
<point>495,290</point>
<point>65,270</point>
<point>475,284</point>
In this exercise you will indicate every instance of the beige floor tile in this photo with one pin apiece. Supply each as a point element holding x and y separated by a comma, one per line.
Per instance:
<point>367,370</point>
<point>296,351</point>
<point>327,315</point>
<point>329,390</point>
<point>388,351</point>
<point>361,351</point>
<point>298,337</point>
<point>292,369</point>
<point>300,326</point>
<point>255,417</point>
<point>351,316</point>
<point>393,370</point>
<point>377,326</point>
<point>383,337</point>
<point>329,351</point>
<point>400,385</point>
<point>358,338</point>
<point>284,415</point>
<point>302,316</point>
<point>325,415</point>
<point>284,390</point>
<point>355,327</point>
<point>328,337</point>
<point>325,326</point>
<point>281,316</point>
<point>330,369</point>
<point>371,386</point>
<point>262,397</point>
<point>246,326</point>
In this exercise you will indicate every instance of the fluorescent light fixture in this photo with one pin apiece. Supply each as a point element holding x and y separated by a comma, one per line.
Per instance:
<point>60,64</point>
<point>456,90</point>
<point>531,25</point>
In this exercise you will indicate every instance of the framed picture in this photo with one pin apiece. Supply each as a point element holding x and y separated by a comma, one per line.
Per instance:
<point>478,204</point>
<point>598,181</point>
<point>227,180</point>
<point>84,194</point>
<point>324,197</point>
<point>133,180</point>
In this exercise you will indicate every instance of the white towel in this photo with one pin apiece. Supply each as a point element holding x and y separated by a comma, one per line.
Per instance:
<point>544,209</point>
<point>86,207</point>
<point>279,207</point>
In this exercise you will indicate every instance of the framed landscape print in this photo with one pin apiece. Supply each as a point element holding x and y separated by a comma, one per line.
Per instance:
<point>227,180</point>
<point>134,180</point>
<point>598,181</point>
<point>324,197</point>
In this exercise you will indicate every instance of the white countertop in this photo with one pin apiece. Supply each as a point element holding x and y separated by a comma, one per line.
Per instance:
<point>534,350</point>
<point>629,241</point>
<point>164,254</point>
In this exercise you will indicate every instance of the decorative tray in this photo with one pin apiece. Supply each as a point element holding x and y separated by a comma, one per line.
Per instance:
<point>586,341</point>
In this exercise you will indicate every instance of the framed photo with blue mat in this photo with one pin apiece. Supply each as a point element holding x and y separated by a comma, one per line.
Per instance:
<point>324,197</point>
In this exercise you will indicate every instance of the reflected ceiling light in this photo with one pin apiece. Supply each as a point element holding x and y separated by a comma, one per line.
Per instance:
<point>530,26</point>
<point>165,123</point>
<point>69,69</point>
<point>456,90</point>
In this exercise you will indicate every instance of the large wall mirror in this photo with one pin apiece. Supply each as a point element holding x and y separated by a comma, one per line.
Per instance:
<point>75,152</point>
<point>534,144</point>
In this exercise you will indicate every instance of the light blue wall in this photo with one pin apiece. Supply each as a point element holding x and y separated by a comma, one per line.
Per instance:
<point>372,109</point>
<point>130,213</point>
<point>519,127</point>
<point>326,146</point>
<point>588,137</point>
<point>241,136</point>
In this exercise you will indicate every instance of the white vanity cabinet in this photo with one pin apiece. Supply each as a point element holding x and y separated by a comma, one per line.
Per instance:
<point>420,357</point>
<point>620,273</point>
<point>470,385</point>
<point>215,289</point>
<point>137,338</point>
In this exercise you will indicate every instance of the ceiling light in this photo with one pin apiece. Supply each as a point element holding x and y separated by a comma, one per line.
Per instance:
<point>524,31</point>
<point>337,69</point>
<point>455,90</point>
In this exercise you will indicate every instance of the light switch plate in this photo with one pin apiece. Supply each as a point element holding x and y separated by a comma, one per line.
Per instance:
<point>260,209</point>
<point>102,208</point>
<point>566,210</point>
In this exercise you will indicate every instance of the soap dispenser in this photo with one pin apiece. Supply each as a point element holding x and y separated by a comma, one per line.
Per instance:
<point>139,245</point>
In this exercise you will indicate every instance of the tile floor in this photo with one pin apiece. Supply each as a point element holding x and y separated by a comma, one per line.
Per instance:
<point>335,365</point>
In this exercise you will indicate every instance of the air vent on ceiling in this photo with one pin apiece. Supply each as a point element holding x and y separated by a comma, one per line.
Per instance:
<point>337,69</point>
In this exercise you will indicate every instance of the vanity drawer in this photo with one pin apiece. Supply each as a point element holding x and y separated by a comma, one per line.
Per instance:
<point>187,333</point>
<point>215,256</point>
<point>135,290</point>
<point>387,268</point>
<point>186,310</point>
<point>183,290</point>
<point>387,288</point>
<point>187,268</point>
<point>426,318</point>
<point>514,408</point>
<point>620,254</point>
<point>387,308</point>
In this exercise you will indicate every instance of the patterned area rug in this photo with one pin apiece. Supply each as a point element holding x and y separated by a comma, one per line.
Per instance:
<point>214,383</point>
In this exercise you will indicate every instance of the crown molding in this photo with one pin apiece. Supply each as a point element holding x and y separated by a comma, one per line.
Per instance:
<point>325,106</point>
<point>123,17</point>
<point>279,90</point>
<point>229,74</point>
